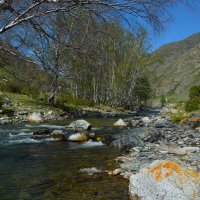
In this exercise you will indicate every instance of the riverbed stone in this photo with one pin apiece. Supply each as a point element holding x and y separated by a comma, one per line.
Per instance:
<point>165,180</point>
<point>80,125</point>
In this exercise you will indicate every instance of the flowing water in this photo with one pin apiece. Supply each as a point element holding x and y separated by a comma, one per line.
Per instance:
<point>47,169</point>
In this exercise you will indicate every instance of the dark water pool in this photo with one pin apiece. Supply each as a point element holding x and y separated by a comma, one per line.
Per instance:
<point>31,169</point>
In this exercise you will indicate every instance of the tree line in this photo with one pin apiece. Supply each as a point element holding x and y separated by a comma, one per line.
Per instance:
<point>83,48</point>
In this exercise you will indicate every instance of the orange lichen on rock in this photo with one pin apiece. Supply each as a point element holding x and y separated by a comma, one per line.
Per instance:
<point>168,168</point>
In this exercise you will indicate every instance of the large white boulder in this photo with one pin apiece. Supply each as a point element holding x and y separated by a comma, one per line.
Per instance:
<point>36,117</point>
<point>165,180</point>
<point>120,122</point>
<point>80,125</point>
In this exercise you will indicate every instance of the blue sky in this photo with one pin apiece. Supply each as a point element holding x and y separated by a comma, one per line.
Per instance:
<point>185,23</point>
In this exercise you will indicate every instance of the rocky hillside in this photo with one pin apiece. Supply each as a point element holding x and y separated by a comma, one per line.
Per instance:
<point>178,67</point>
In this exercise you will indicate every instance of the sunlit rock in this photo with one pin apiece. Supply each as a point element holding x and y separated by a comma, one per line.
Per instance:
<point>120,122</point>
<point>36,117</point>
<point>77,137</point>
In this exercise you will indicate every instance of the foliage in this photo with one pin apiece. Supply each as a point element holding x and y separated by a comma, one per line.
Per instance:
<point>178,117</point>
<point>194,92</point>
<point>162,100</point>
<point>192,104</point>
<point>2,100</point>
<point>65,101</point>
<point>31,91</point>
<point>10,86</point>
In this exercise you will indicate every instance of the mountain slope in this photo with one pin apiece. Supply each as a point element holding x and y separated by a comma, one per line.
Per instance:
<point>178,68</point>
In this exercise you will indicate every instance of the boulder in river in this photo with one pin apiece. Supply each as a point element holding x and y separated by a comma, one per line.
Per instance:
<point>127,141</point>
<point>135,137</point>
<point>76,137</point>
<point>165,180</point>
<point>36,117</point>
<point>57,134</point>
<point>120,122</point>
<point>80,125</point>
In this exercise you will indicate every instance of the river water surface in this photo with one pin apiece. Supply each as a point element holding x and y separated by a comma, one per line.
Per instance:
<point>46,169</point>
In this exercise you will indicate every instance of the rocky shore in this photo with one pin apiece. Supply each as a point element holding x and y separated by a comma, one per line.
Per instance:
<point>45,115</point>
<point>161,159</point>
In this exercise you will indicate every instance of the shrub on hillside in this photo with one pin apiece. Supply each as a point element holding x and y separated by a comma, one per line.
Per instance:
<point>192,104</point>
<point>194,92</point>
<point>12,87</point>
<point>63,101</point>
<point>162,100</point>
<point>178,117</point>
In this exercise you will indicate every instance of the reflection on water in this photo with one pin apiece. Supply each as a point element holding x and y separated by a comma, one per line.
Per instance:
<point>50,170</point>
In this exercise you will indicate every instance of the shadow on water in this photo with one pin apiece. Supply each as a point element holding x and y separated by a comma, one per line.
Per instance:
<point>50,170</point>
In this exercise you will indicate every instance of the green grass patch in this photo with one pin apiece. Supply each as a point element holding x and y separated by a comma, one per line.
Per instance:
<point>178,117</point>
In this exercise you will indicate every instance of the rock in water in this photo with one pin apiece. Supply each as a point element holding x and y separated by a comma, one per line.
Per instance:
<point>36,117</point>
<point>120,122</point>
<point>91,171</point>
<point>146,120</point>
<point>127,141</point>
<point>80,125</point>
<point>57,134</point>
<point>165,180</point>
<point>75,137</point>
<point>42,132</point>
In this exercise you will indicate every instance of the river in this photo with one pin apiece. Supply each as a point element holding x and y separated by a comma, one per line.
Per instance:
<point>47,169</point>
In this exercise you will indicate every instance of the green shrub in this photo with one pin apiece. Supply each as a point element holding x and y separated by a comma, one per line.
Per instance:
<point>162,100</point>
<point>178,117</point>
<point>31,91</point>
<point>194,92</point>
<point>192,104</point>
<point>13,87</point>
<point>2,99</point>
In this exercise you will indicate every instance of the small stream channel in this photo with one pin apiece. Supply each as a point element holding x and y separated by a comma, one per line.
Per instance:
<point>46,169</point>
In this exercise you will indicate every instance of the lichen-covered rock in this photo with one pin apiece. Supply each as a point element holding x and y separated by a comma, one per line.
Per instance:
<point>165,180</point>
<point>80,125</point>
<point>120,122</point>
